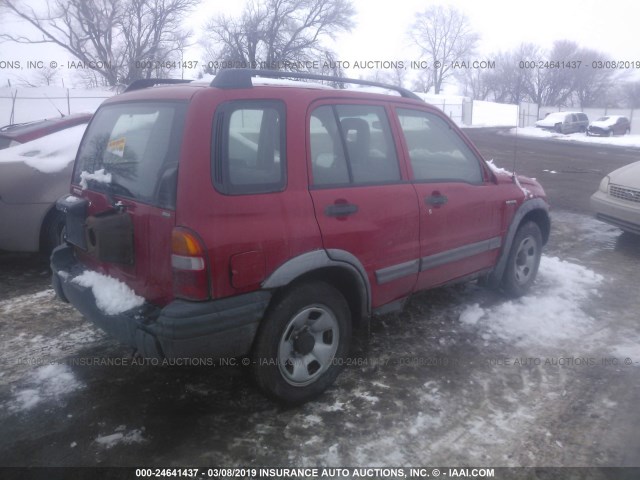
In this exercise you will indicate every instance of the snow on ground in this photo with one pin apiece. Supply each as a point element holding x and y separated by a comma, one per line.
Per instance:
<point>49,154</point>
<point>31,299</point>
<point>622,141</point>
<point>112,296</point>
<point>46,383</point>
<point>561,289</point>
<point>494,114</point>
<point>121,436</point>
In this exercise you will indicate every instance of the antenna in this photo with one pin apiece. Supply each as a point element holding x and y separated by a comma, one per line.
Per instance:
<point>515,149</point>
<point>54,105</point>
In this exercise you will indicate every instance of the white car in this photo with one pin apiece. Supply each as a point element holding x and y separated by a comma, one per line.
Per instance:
<point>617,200</point>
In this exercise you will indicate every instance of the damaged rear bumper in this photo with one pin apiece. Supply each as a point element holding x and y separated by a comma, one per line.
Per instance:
<point>182,329</point>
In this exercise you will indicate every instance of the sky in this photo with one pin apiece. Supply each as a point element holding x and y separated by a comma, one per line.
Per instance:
<point>381,29</point>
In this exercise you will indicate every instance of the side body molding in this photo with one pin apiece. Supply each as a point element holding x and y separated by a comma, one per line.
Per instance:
<point>527,207</point>
<point>318,259</point>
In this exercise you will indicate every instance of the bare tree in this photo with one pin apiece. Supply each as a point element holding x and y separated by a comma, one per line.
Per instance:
<point>278,34</point>
<point>591,85</point>
<point>631,92</point>
<point>46,75</point>
<point>423,82</point>
<point>509,81</point>
<point>476,83</point>
<point>122,40</point>
<point>444,36</point>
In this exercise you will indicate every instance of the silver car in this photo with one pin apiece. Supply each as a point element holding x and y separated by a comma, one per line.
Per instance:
<point>33,176</point>
<point>617,200</point>
<point>564,122</point>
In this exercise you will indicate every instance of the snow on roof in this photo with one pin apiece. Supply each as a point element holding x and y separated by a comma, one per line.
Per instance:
<point>49,154</point>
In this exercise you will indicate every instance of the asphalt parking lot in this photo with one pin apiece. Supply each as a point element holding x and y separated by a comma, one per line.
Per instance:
<point>462,377</point>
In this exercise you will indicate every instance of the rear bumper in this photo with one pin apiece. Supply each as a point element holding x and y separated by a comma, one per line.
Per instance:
<point>182,329</point>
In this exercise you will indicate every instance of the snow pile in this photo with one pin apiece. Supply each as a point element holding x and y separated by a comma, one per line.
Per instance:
<point>49,382</point>
<point>120,436</point>
<point>99,176</point>
<point>494,114</point>
<point>112,296</point>
<point>49,154</point>
<point>551,313</point>
<point>622,141</point>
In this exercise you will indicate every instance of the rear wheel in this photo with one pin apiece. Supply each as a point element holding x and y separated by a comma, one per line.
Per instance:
<point>302,343</point>
<point>523,261</point>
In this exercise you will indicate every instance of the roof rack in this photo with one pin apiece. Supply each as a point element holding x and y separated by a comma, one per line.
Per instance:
<point>241,78</point>
<point>150,82</point>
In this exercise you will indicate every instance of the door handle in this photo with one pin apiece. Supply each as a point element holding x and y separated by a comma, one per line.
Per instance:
<point>436,199</point>
<point>340,210</point>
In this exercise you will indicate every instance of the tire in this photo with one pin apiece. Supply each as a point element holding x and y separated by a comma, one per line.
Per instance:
<point>53,232</point>
<point>523,261</point>
<point>303,343</point>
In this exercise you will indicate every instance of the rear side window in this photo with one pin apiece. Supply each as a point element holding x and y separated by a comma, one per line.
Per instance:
<point>436,151</point>
<point>138,145</point>
<point>249,147</point>
<point>352,144</point>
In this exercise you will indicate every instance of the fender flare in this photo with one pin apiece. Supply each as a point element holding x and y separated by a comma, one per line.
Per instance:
<point>527,207</point>
<point>318,259</point>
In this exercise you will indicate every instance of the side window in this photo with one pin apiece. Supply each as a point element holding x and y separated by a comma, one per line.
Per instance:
<point>248,148</point>
<point>328,162</point>
<point>352,144</point>
<point>437,152</point>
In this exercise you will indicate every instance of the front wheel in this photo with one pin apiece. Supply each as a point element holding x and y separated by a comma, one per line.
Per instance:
<point>523,261</point>
<point>303,343</point>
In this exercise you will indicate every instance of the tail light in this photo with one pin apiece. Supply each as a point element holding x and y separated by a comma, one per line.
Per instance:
<point>190,266</point>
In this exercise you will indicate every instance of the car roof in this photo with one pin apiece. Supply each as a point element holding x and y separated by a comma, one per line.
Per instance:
<point>273,83</point>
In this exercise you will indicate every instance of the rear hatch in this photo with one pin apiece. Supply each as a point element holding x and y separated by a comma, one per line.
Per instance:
<point>127,170</point>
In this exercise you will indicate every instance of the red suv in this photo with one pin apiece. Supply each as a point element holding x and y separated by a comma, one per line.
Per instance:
<point>235,219</point>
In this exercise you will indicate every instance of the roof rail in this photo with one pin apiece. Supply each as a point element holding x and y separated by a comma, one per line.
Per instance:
<point>150,82</point>
<point>241,78</point>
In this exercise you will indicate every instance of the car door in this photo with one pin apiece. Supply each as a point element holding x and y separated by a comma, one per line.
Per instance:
<point>463,212</point>
<point>365,206</point>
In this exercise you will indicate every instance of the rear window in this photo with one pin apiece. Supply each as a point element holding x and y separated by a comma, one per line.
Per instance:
<point>132,150</point>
